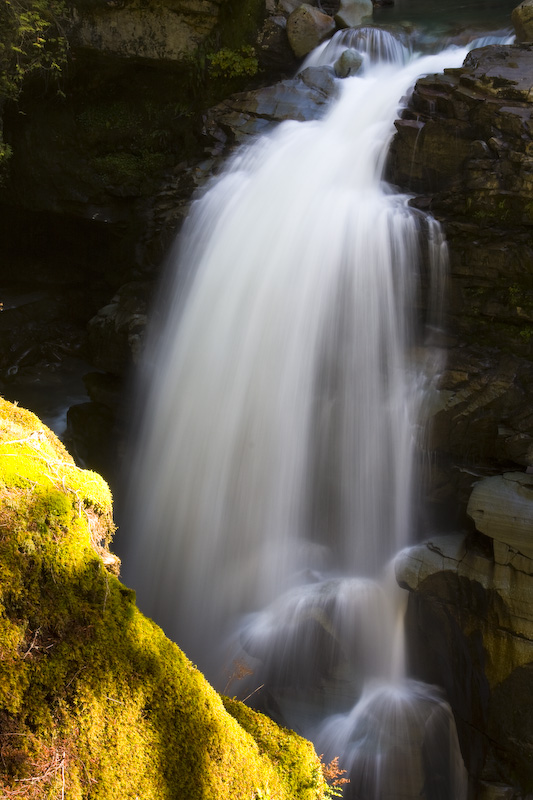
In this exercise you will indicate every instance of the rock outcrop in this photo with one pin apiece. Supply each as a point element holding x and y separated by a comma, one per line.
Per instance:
<point>502,509</point>
<point>465,147</point>
<point>307,27</point>
<point>169,30</point>
<point>92,694</point>
<point>470,630</point>
<point>242,116</point>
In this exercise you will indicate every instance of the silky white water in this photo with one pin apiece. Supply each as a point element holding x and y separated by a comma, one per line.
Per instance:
<point>273,481</point>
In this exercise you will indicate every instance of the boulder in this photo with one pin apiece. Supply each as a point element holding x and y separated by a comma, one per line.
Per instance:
<point>349,63</point>
<point>244,115</point>
<point>306,28</point>
<point>502,509</point>
<point>522,19</point>
<point>353,12</point>
<point>274,52</point>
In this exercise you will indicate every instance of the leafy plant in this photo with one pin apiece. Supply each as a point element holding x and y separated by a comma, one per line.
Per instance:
<point>334,777</point>
<point>32,40</point>
<point>228,63</point>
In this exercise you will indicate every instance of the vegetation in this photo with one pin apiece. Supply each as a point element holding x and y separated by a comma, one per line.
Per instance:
<point>128,141</point>
<point>95,702</point>
<point>227,60</point>
<point>31,41</point>
<point>228,63</point>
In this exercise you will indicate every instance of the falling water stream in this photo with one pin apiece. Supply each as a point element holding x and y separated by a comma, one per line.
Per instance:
<point>274,478</point>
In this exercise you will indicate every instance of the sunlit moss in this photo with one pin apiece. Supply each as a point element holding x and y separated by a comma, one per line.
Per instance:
<point>95,702</point>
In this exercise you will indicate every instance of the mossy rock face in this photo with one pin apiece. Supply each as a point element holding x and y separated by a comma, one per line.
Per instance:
<point>95,702</point>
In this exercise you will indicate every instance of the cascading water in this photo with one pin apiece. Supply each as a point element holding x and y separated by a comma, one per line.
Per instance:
<point>273,482</point>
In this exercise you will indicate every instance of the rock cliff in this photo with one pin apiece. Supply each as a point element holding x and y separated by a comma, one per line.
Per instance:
<point>464,146</point>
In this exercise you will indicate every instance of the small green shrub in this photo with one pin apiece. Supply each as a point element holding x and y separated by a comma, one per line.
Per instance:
<point>228,64</point>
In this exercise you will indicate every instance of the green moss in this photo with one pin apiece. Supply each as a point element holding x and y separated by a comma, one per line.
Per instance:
<point>128,169</point>
<point>128,143</point>
<point>290,751</point>
<point>95,702</point>
<point>494,208</point>
<point>228,63</point>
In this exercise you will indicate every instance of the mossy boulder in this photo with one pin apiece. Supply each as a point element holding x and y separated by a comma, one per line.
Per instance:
<point>95,701</point>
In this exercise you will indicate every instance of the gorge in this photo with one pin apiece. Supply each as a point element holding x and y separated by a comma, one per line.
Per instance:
<point>461,150</point>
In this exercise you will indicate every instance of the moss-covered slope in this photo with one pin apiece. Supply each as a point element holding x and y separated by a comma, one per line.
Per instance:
<point>95,702</point>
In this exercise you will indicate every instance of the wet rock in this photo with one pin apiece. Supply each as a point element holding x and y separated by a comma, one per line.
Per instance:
<point>459,122</point>
<point>465,144</point>
<point>496,791</point>
<point>502,509</point>
<point>246,114</point>
<point>522,19</point>
<point>353,12</point>
<point>274,52</point>
<point>115,334</point>
<point>470,630</point>
<point>105,389</point>
<point>349,63</point>
<point>306,28</point>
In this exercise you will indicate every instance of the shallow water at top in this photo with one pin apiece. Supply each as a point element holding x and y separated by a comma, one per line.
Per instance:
<point>441,17</point>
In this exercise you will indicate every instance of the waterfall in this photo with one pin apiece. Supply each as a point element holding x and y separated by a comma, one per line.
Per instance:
<point>273,482</point>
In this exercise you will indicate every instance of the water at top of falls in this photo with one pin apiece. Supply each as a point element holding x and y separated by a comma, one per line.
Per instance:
<point>374,45</point>
<point>273,481</point>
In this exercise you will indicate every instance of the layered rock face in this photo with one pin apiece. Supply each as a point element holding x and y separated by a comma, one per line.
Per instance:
<point>465,146</point>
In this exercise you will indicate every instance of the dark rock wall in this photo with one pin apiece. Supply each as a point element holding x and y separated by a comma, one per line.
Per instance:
<point>464,146</point>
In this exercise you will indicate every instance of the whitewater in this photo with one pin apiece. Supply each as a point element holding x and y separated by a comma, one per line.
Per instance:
<point>275,475</point>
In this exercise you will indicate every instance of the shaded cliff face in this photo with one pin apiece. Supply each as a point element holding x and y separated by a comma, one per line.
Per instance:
<point>465,146</point>
<point>86,200</point>
<point>470,630</point>
<point>156,30</point>
<point>100,179</point>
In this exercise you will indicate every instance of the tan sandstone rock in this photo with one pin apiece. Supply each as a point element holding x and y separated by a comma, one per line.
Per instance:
<point>306,28</point>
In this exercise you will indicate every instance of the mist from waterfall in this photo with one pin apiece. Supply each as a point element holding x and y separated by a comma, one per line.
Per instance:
<point>273,482</point>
